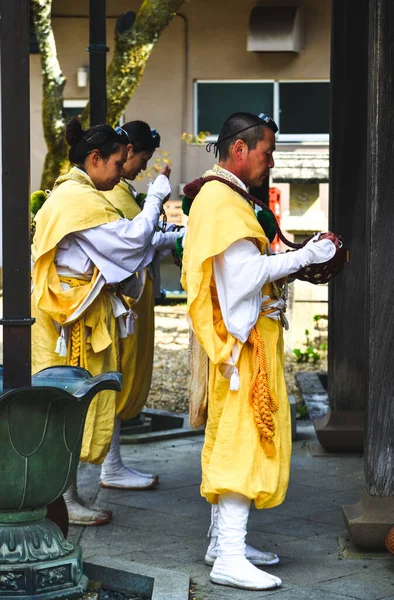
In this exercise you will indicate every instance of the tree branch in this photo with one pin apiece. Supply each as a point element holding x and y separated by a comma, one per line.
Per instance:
<point>135,39</point>
<point>134,43</point>
<point>53,82</point>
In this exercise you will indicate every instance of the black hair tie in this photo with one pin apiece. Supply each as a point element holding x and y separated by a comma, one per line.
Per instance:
<point>214,146</point>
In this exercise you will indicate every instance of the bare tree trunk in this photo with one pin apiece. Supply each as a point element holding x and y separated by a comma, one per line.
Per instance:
<point>134,43</point>
<point>53,82</point>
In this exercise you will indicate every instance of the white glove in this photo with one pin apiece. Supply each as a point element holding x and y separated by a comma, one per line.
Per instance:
<point>171,227</point>
<point>160,188</point>
<point>167,240</point>
<point>282,265</point>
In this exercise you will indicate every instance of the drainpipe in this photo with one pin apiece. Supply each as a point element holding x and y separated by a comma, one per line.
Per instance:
<point>185,90</point>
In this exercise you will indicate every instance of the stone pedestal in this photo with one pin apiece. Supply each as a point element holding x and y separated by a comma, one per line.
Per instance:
<point>37,464</point>
<point>35,559</point>
<point>341,431</point>
<point>369,521</point>
<point>347,341</point>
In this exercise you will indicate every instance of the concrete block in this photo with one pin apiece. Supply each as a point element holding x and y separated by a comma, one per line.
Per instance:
<point>369,521</point>
<point>293,415</point>
<point>134,577</point>
<point>309,382</point>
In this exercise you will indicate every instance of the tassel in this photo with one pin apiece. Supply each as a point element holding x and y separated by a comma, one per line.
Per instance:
<point>130,321</point>
<point>122,328</point>
<point>268,447</point>
<point>63,347</point>
<point>61,344</point>
<point>57,349</point>
<point>235,381</point>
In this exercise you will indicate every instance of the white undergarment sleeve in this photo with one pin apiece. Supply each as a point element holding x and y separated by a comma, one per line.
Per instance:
<point>71,260</point>
<point>118,249</point>
<point>241,271</point>
<point>238,287</point>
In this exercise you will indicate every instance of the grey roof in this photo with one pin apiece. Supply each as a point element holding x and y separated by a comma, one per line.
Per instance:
<point>297,167</point>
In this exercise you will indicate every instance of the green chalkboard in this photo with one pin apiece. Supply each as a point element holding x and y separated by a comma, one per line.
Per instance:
<point>217,101</point>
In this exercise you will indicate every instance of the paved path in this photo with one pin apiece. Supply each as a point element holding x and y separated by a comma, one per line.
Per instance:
<point>167,527</point>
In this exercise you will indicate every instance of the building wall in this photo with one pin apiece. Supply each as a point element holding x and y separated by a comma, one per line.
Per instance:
<point>207,42</point>
<point>214,33</point>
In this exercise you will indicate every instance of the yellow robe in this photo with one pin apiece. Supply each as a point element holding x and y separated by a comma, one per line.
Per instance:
<point>136,351</point>
<point>232,457</point>
<point>74,205</point>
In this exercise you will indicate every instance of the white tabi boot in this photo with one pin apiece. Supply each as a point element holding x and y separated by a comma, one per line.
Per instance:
<point>114,474</point>
<point>231,566</point>
<point>79,513</point>
<point>257,558</point>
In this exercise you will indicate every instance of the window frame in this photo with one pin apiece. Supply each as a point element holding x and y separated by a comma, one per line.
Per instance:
<point>289,138</point>
<point>213,138</point>
<point>296,137</point>
<point>75,102</point>
<point>83,102</point>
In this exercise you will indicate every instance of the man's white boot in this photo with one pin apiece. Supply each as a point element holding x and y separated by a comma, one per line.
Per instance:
<point>114,474</point>
<point>231,566</point>
<point>79,513</point>
<point>257,558</point>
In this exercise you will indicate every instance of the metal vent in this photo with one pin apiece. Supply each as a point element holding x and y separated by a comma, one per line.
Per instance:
<point>275,29</point>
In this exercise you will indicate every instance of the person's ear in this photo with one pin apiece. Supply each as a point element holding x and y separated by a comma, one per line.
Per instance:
<point>130,151</point>
<point>95,156</point>
<point>239,149</point>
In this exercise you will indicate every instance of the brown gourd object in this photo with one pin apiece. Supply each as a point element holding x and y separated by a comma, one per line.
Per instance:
<point>321,273</point>
<point>390,541</point>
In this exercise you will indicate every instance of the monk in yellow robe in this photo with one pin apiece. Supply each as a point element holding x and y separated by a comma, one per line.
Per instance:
<point>236,303</point>
<point>82,249</point>
<point>136,351</point>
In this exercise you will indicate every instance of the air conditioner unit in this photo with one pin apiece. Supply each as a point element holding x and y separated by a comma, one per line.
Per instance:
<point>276,29</point>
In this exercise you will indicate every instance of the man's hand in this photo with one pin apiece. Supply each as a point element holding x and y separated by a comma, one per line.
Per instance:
<point>166,171</point>
<point>328,236</point>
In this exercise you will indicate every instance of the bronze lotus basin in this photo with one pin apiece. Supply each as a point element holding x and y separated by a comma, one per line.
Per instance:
<point>41,431</point>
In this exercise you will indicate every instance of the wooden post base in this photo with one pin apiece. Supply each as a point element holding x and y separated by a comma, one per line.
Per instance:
<point>369,521</point>
<point>341,431</point>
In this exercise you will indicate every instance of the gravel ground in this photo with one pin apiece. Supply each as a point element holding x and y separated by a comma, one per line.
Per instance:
<point>170,369</point>
<point>171,372</point>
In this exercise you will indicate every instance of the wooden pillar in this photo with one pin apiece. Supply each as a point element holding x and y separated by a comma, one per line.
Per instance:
<point>98,62</point>
<point>370,519</point>
<point>15,158</point>
<point>342,429</point>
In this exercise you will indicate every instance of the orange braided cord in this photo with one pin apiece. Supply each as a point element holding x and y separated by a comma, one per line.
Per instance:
<point>261,398</point>
<point>76,347</point>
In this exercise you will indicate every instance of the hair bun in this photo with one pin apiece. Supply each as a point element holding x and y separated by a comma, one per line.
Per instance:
<point>74,132</point>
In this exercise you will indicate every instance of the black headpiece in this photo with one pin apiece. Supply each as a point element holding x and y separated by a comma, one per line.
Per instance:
<point>265,120</point>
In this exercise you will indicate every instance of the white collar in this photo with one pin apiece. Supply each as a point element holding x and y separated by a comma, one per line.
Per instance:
<point>83,173</point>
<point>240,183</point>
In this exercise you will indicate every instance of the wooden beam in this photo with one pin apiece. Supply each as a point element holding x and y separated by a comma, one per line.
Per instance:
<point>15,148</point>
